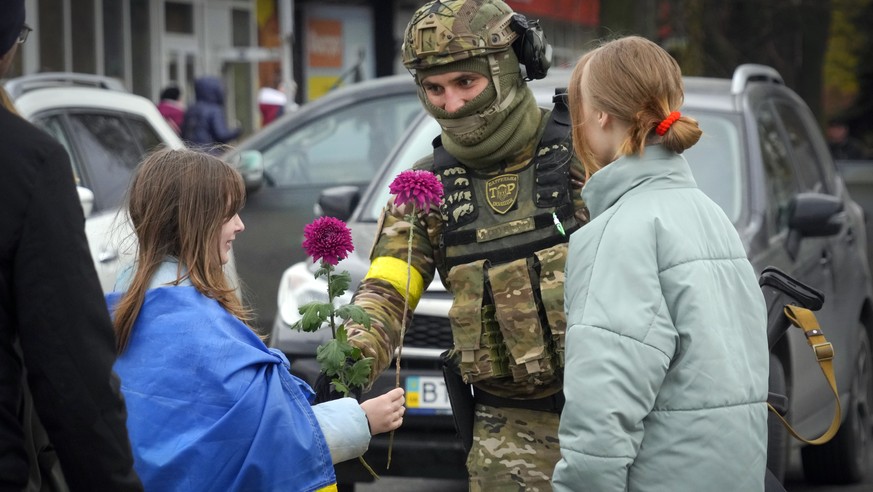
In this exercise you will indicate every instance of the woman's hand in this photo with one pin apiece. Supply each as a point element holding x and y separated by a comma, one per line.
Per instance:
<point>385,412</point>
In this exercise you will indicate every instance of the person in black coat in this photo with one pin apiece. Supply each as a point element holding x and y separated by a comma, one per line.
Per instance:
<point>56,341</point>
<point>204,126</point>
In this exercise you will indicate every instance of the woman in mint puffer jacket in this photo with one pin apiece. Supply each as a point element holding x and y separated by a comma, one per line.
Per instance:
<point>666,358</point>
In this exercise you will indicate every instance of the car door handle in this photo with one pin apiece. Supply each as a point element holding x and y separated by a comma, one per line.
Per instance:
<point>107,255</point>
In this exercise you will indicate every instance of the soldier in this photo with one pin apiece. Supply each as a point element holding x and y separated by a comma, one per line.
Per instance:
<point>498,240</point>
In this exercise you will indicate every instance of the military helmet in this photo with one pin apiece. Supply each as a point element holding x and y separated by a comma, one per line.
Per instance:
<point>446,31</point>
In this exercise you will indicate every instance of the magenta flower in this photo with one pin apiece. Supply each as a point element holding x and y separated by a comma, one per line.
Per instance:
<point>328,239</point>
<point>422,188</point>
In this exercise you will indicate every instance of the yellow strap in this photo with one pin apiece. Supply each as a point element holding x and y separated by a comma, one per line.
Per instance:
<point>824,354</point>
<point>329,488</point>
<point>394,271</point>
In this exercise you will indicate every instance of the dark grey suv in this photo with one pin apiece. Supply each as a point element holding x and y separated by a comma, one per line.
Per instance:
<point>764,161</point>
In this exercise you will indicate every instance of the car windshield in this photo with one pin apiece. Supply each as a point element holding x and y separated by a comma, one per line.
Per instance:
<point>345,146</point>
<point>716,162</point>
<point>108,146</point>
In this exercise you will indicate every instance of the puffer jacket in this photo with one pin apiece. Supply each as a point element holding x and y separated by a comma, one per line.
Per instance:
<point>666,359</point>
<point>204,124</point>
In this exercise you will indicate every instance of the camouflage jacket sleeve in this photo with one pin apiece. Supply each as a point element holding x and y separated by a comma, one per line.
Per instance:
<point>382,293</point>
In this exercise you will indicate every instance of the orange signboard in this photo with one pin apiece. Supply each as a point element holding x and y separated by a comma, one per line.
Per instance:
<point>582,12</point>
<point>324,43</point>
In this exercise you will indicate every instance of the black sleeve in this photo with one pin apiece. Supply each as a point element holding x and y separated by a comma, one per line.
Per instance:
<point>66,335</point>
<point>220,132</point>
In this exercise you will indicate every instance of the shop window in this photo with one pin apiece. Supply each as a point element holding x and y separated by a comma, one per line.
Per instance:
<point>140,47</point>
<point>179,18</point>
<point>113,39</point>
<point>242,32</point>
<point>51,36</point>
<point>84,43</point>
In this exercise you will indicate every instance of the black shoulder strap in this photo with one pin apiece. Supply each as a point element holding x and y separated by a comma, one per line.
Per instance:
<point>441,157</point>
<point>556,130</point>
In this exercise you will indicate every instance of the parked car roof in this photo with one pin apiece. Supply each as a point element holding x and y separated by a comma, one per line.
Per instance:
<point>20,85</point>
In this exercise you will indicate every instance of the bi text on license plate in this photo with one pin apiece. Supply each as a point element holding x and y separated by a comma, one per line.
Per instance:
<point>426,395</point>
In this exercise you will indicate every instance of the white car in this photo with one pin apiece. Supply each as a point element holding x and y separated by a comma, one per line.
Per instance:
<point>107,132</point>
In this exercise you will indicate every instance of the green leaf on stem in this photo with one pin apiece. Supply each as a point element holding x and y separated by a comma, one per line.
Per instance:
<point>323,270</point>
<point>332,356</point>
<point>339,284</point>
<point>359,373</point>
<point>313,315</point>
<point>340,387</point>
<point>354,313</point>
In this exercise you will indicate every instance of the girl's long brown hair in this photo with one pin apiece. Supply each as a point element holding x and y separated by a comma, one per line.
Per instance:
<point>178,201</point>
<point>637,81</point>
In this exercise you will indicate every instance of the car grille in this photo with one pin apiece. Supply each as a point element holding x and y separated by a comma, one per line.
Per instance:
<point>429,332</point>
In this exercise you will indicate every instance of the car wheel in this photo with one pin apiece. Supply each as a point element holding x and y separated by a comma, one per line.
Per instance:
<point>844,459</point>
<point>777,435</point>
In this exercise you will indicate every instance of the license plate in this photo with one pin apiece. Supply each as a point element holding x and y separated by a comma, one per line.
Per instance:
<point>426,395</point>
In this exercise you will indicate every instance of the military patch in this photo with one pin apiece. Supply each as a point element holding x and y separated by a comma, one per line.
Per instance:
<point>501,192</point>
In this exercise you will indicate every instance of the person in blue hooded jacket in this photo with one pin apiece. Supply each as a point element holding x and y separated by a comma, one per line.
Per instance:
<point>666,350</point>
<point>204,126</point>
<point>210,407</point>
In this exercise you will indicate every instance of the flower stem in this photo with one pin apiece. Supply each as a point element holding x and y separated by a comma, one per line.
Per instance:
<point>329,267</point>
<point>410,219</point>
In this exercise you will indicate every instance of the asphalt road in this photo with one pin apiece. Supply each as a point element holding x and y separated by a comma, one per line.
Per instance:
<point>794,483</point>
<point>794,480</point>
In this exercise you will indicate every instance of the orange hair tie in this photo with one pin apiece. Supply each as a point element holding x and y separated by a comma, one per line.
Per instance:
<point>665,125</point>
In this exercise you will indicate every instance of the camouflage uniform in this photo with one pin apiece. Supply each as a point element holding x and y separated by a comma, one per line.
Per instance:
<point>507,280</point>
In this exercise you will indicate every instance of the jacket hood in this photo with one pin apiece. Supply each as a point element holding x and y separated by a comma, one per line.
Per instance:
<point>209,89</point>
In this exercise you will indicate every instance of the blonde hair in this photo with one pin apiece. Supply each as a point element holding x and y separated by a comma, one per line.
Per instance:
<point>637,81</point>
<point>6,101</point>
<point>178,201</point>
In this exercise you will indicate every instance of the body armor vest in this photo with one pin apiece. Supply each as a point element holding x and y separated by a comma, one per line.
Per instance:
<point>503,257</point>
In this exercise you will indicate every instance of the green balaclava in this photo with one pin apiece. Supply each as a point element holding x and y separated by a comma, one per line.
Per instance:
<point>474,36</point>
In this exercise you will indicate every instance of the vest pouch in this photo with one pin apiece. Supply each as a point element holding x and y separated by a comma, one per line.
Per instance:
<point>518,316</point>
<point>476,335</point>
<point>552,261</point>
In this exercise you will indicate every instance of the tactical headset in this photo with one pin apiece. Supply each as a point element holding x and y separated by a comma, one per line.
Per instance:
<point>531,47</point>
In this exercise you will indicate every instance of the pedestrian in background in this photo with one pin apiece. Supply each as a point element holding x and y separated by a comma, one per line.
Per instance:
<point>204,126</point>
<point>60,408</point>
<point>210,406</point>
<point>841,143</point>
<point>272,100</point>
<point>171,108</point>
<point>666,360</point>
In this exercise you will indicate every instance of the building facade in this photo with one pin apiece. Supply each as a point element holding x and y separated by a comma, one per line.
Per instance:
<point>313,46</point>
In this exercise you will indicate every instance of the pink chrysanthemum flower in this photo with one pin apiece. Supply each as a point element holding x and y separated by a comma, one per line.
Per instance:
<point>422,188</point>
<point>327,239</point>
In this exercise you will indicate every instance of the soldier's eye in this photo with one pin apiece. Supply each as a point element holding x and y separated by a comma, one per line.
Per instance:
<point>431,88</point>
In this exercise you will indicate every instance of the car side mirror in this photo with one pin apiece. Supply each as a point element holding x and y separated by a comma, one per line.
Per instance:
<point>338,201</point>
<point>86,198</point>
<point>813,215</point>
<point>251,166</point>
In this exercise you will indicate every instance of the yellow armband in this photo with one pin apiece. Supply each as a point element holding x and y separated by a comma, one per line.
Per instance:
<point>394,271</point>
